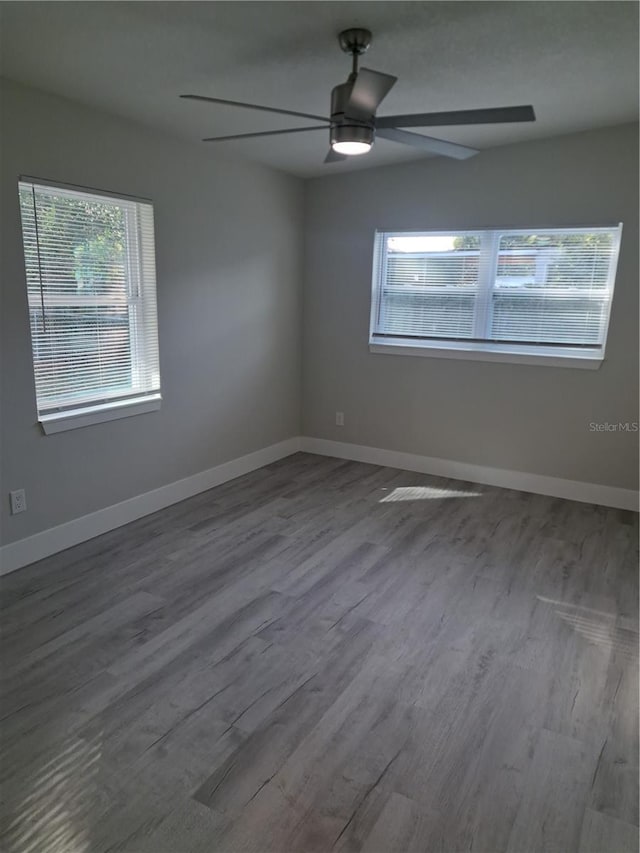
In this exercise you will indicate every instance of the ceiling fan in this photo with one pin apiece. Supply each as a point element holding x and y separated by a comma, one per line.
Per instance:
<point>353,124</point>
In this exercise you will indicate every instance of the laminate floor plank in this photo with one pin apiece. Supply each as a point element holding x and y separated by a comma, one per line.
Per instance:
<point>556,787</point>
<point>326,655</point>
<point>600,832</point>
<point>400,828</point>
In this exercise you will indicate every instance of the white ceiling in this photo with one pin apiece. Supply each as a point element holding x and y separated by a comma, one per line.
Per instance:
<point>576,62</point>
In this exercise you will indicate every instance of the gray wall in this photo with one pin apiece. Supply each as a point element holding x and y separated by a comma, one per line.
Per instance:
<point>228,238</point>
<point>523,418</point>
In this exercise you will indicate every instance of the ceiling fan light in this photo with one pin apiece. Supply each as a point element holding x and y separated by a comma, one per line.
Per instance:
<point>351,148</point>
<point>351,139</point>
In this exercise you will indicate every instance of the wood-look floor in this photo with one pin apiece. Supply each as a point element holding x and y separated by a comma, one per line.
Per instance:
<point>328,656</point>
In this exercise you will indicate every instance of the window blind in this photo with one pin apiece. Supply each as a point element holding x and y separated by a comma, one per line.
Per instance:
<point>90,270</point>
<point>534,288</point>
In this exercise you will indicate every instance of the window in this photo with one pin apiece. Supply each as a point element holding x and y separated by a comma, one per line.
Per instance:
<point>90,268</point>
<point>533,296</point>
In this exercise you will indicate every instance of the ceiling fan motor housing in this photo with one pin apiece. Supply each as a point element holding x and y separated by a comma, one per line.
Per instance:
<point>344,129</point>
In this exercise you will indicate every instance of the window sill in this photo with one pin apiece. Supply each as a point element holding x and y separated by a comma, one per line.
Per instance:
<point>551,357</point>
<point>89,415</point>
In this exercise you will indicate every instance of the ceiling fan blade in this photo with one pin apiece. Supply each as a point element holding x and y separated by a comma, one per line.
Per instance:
<point>334,157</point>
<point>253,107</point>
<point>427,143</point>
<point>368,92</point>
<point>496,115</point>
<point>262,133</point>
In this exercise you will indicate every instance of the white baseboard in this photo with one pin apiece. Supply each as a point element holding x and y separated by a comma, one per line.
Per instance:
<point>539,484</point>
<point>32,548</point>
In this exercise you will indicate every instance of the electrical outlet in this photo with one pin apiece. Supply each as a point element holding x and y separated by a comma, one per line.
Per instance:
<point>339,418</point>
<point>18,501</point>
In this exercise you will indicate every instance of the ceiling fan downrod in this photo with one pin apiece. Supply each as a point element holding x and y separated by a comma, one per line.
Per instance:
<point>355,41</point>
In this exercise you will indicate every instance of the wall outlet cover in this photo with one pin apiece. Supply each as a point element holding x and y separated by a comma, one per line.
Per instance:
<point>18,500</point>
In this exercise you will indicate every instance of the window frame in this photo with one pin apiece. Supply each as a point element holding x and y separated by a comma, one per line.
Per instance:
<point>490,351</point>
<point>119,405</point>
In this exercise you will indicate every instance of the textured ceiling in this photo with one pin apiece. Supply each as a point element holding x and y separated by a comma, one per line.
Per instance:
<point>576,62</point>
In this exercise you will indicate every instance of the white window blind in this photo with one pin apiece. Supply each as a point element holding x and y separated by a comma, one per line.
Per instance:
<point>528,289</point>
<point>90,268</point>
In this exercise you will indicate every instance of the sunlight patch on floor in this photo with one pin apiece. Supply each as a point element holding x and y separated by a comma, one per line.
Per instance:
<point>603,633</point>
<point>424,493</point>
<point>52,815</point>
<point>596,626</point>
